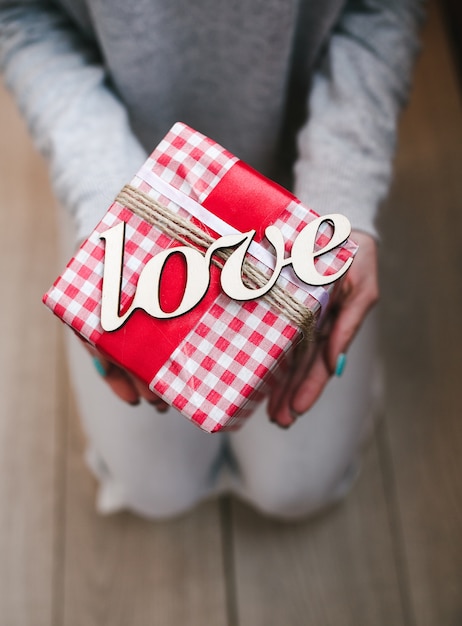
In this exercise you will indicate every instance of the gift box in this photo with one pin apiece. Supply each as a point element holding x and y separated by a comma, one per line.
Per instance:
<point>155,291</point>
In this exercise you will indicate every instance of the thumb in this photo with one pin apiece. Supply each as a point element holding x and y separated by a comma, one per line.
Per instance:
<point>359,291</point>
<point>350,316</point>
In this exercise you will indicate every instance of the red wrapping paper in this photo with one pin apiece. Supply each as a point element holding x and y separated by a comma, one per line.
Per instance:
<point>215,362</point>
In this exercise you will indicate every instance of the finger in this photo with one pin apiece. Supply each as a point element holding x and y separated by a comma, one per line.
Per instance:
<point>281,413</point>
<point>284,417</point>
<point>358,292</point>
<point>127,387</point>
<point>145,393</point>
<point>276,403</point>
<point>276,393</point>
<point>280,407</point>
<point>311,387</point>
<point>282,384</point>
<point>345,326</point>
<point>118,380</point>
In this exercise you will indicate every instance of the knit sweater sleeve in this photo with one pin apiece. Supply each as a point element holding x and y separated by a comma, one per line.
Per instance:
<point>359,86</point>
<point>76,121</point>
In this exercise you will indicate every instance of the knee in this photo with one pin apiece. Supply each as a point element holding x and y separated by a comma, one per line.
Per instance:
<point>163,504</point>
<point>287,500</point>
<point>161,501</point>
<point>156,497</point>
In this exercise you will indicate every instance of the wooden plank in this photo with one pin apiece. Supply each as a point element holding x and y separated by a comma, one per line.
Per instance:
<point>452,16</point>
<point>423,334</point>
<point>123,570</point>
<point>337,569</point>
<point>28,382</point>
<point>302,577</point>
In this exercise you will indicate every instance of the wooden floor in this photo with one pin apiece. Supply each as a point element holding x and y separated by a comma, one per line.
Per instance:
<point>390,556</point>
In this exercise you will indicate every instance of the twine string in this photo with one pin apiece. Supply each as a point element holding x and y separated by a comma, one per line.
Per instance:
<point>187,233</point>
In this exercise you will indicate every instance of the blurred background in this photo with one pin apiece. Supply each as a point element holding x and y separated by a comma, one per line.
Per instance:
<point>390,554</point>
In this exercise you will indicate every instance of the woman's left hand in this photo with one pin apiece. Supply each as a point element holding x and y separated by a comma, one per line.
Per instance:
<point>126,386</point>
<point>299,389</point>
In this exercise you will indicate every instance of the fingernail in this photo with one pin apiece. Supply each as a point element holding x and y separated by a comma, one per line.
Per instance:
<point>340,365</point>
<point>157,404</point>
<point>99,367</point>
<point>134,402</point>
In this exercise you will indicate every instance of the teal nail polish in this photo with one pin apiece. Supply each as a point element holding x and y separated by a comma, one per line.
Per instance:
<point>340,365</point>
<point>99,366</point>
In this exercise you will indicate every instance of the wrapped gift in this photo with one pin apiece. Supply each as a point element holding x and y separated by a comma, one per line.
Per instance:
<point>201,277</point>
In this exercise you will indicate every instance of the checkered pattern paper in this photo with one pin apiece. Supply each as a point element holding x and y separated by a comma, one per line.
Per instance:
<point>220,369</point>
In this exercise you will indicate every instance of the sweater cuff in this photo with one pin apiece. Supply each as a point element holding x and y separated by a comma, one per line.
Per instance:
<point>333,192</point>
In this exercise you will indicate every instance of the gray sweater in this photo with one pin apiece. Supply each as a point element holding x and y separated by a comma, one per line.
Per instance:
<point>307,92</point>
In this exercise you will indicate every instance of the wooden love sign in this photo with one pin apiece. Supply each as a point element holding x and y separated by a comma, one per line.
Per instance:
<point>302,259</point>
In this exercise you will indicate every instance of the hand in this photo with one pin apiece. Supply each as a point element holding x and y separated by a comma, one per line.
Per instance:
<point>126,386</point>
<point>358,292</point>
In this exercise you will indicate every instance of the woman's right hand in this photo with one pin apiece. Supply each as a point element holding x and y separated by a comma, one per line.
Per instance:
<point>126,386</point>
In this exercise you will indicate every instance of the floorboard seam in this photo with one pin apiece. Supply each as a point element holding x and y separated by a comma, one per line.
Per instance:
<point>396,527</point>
<point>452,23</point>
<point>229,566</point>
<point>62,418</point>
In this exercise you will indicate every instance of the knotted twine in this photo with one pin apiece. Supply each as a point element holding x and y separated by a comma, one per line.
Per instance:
<point>187,233</point>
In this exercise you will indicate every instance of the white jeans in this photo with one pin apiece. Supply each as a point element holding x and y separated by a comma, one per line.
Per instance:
<point>160,465</point>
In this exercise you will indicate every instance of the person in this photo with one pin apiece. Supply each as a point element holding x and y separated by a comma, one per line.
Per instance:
<point>308,93</point>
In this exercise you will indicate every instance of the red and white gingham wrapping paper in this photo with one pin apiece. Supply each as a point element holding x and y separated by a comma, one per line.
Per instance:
<point>214,363</point>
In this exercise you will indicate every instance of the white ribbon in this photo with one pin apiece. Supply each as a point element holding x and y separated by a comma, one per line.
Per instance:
<point>223,228</point>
